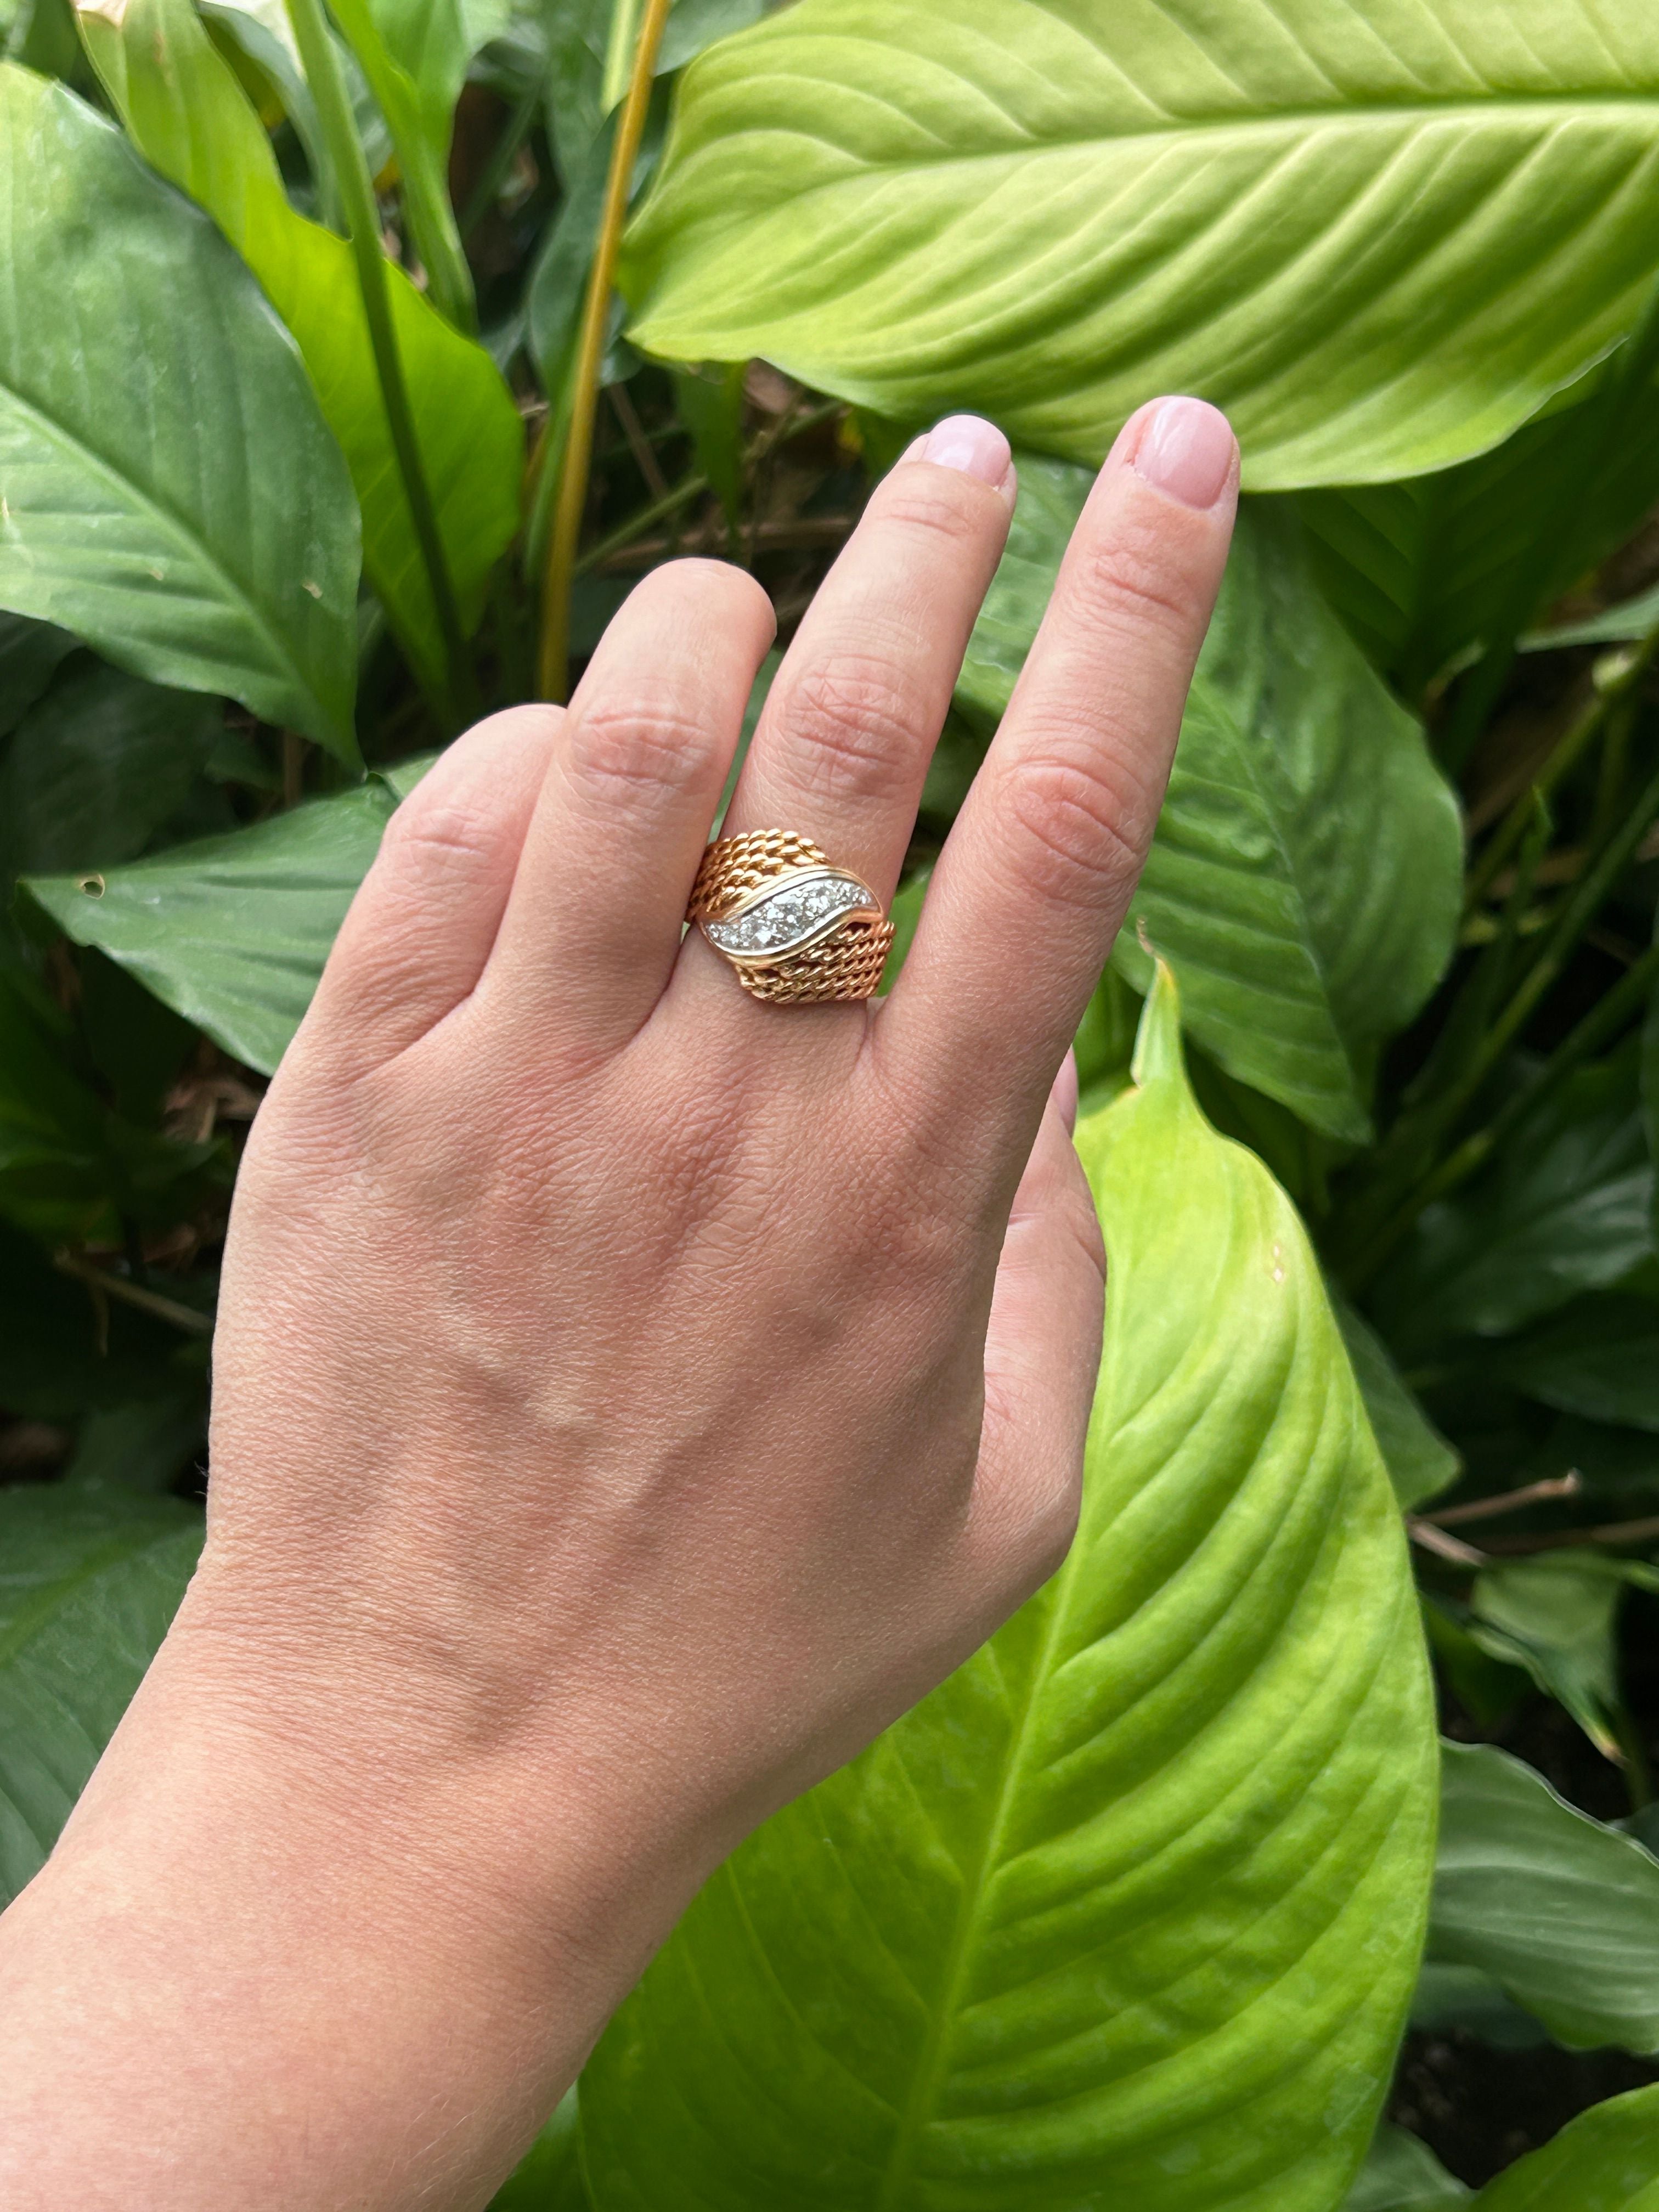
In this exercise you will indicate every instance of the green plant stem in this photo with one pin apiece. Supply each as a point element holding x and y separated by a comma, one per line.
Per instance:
<point>553,660</point>
<point>356,187</point>
<point>1630,376</point>
<point>1604,1021</point>
<point>1504,839</point>
<point>675,496</point>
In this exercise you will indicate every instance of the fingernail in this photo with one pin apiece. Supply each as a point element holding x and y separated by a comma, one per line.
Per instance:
<point>1064,1091</point>
<point>1187,449</point>
<point>971,444</point>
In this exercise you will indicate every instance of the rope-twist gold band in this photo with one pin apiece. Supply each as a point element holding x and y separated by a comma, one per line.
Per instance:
<point>846,963</point>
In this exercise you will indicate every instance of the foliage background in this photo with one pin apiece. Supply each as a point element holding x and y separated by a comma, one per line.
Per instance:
<point>322,429</point>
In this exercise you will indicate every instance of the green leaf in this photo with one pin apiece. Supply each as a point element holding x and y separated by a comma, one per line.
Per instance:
<point>232,933</point>
<point>1420,1462</point>
<point>1447,1998</point>
<point>1401,2174</point>
<point>1605,2161</point>
<point>415,53</point>
<point>97,767</point>
<point>92,1579</point>
<point>170,492</point>
<point>1422,571</point>
<point>1560,1911</point>
<point>1555,1616</point>
<point>578,41</point>
<point>1599,1358</point>
<point>1305,880</point>
<point>29,654</point>
<point>1378,241</point>
<point>1128,1913</point>
<point>182,103</point>
<point>1567,1208</point>
<point>1619,625</point>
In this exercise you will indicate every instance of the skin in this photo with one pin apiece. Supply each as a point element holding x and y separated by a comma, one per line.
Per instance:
<point>629,1398</point>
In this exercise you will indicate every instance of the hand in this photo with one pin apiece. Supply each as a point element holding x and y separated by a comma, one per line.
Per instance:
<point>628,1397</point>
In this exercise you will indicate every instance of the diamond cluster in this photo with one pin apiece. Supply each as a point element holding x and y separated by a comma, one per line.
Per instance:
<point>795,910</point>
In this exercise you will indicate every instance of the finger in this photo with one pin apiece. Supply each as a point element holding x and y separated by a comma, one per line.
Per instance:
<point>1034,879</point>
<point>842,748</point>
<point>1042,1357</point>
<point>418,934</point>
<point>592,926</point>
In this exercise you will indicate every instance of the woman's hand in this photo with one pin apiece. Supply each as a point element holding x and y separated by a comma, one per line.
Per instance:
<point>629,1397</point>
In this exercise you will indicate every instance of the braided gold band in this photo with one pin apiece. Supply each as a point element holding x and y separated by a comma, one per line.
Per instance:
<point>797,929</point>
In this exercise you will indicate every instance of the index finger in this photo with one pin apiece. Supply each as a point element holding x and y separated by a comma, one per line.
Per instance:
<point>1035,875</point>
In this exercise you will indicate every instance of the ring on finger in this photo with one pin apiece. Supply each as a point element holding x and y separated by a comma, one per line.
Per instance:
<point>798,930</point>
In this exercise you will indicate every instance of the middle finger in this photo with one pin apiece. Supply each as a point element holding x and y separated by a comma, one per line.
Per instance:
<point>842,748</point>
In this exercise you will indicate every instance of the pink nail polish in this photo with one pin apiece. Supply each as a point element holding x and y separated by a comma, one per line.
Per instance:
<point>969,443</point>
<point>1187,450</point>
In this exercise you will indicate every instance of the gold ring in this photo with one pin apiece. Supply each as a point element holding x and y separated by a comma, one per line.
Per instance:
<point>797,929</point>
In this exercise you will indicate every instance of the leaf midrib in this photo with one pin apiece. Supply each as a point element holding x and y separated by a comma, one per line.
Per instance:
<point>171,526</point>
<point>1284,119</point>
<point>930,2066</point>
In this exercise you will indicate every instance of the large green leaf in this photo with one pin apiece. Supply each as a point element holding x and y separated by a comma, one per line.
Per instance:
<point>1422,571</point>
<point>190,118</point>
<point>414,53</point>
<point>97,767</point>
<point>90,1581</point>
<point>1562,1913</point>
<point>1379,239</point>
<point>1305,878</point>
<point>1401,2174</point>
<point>1605,2161</point>
<point>1600,1358</point>
<point>1128,1913</point>
<point>1567,1208</point>
<point>232,933</point>
<point>170,491</point>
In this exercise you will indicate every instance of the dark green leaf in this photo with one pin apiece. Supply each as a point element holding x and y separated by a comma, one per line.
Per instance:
<point>92,1579</point>
<point>1401,2174</point>
<point>1567,1208</point>
<point>144,1444</point>
<point>1420,1462</point>
<point>1380,242</point>
<point>1447,1998</point>
<point>1560,1911</point>
<point>233,933</point>
<point>29,654</point>
<point>1422,570</point>
<point>1600,1358</point>
<point>1128,1913</point>
<point>171,493</point>
<point>1555,1616</point>
<point>97,767</point>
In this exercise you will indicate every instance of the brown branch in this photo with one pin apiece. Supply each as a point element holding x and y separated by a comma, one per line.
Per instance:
<point>1510,1501</point>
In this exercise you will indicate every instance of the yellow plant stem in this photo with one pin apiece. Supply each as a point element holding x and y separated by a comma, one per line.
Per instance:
<point>553,660</point>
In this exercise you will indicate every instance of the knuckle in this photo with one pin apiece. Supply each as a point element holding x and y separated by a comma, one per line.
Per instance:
<point>855,728</point>
<point>631,749</point>
<point>936,505</point>
<point>1133,573</point>
<point>449,832</point>
<point>1079,829</point>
